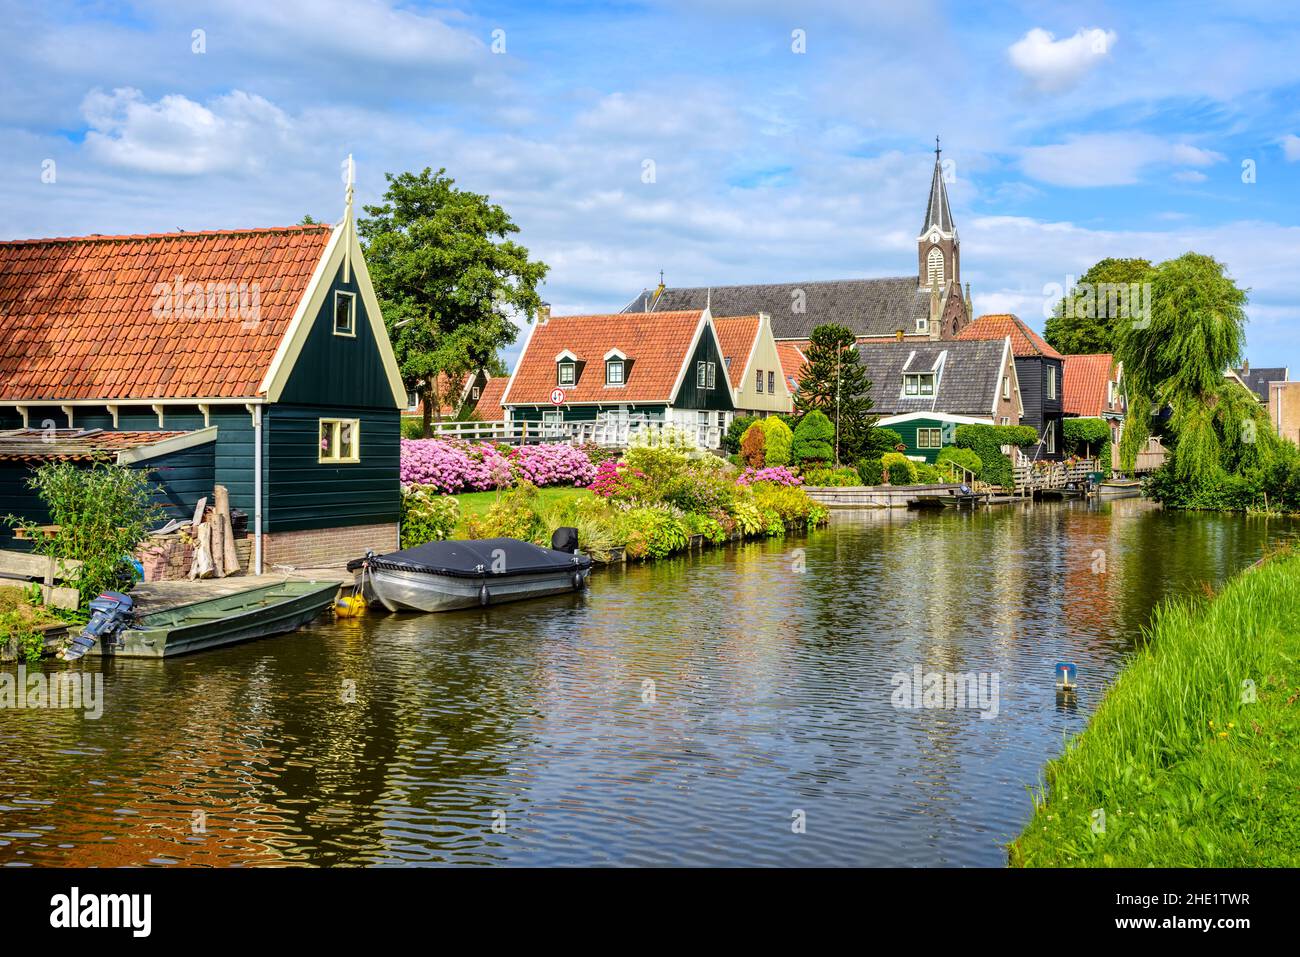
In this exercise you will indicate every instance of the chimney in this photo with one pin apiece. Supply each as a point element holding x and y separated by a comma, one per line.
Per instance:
<point>1245,368</point>
<point>543,313</point>
<point>899,335</point>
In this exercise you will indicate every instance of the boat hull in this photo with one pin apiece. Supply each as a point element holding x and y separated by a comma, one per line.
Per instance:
<point>1110,490</point>
<point>228,620</point>
<point>422,591</point>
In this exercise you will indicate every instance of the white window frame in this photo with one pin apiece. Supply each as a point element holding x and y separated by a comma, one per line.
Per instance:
<point>621,381</point>
<point>758,380</point>
<point>935,258</point>
<point>938,432</point>
<point>351,331</point>
<point>771,382</point>
<point>1051,382</point>
<point>1006,387</point>
<point>1051,438</point>
<point>573,373</point>
<point>701,374</point>
<point>552,421</point>
<point>917,378</point>
<point>333,457</point>
<point>713,376</point>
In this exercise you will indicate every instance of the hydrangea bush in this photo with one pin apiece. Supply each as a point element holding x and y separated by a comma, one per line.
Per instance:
<point>775,474</point>
<point>454,465</point>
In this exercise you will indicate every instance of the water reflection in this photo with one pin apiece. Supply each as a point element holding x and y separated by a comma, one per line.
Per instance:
<point>680,713</point>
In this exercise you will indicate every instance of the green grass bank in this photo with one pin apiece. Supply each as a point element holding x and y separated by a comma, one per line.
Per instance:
<point>1193,755</point>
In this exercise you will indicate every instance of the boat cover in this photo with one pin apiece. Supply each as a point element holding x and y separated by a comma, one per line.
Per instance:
<point>477,558</point>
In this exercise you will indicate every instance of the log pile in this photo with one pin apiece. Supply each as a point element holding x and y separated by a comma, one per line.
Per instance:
<point>214,538</point>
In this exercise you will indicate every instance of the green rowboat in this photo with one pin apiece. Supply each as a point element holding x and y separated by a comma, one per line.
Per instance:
<point>255,613</point>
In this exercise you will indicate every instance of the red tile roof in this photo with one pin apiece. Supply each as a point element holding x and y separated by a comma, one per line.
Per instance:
<point>1084,390</point>
<point>489,400</point>
<point>792,361</point>
<point>656,343</point>
<point>737,337</point>
<point>80,323</point>
<point>1024,341</point>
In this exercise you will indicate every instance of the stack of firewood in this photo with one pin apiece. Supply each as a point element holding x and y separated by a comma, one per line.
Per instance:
<point>214,538</point>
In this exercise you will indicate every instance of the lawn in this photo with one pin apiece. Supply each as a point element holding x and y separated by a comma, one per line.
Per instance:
<point>477,503</point>
<point>1192,756</point>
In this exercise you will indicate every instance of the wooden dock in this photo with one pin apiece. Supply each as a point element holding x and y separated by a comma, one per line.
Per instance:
<point>159,596</point>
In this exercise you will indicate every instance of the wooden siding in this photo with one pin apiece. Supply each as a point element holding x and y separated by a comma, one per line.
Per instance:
<point>577,413</point>
<point>340,371</point>
<point>1039,409</point>
<point>303,493</point>
<point>908,431</point>
<point>690,396</point>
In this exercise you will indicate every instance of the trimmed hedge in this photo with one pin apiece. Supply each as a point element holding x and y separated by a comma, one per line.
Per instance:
<point>813,438</point>
<point>986,441</point>
<point>1085,436</point>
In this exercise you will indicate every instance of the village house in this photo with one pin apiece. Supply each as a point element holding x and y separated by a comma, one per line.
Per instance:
<point>924,391</point>
<point>455,401</point>
<point>758,382</point>
<point>256,359</point>
<point>604,377</point>
<point>1040,370</point>
<point>1093,390</point>
<point>927,306</point>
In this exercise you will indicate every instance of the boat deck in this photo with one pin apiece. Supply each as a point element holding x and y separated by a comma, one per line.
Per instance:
<point>152,597</point>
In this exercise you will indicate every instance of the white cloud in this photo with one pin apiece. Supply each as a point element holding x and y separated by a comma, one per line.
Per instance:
<point>175,135</point>
<point>1052,64</point>
<point>1109,159</point>
<point>1291,146</point>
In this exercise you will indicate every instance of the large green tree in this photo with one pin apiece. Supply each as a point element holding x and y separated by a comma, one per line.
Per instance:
<point>1087,319</point>
<point>1176,359</point>
<point>448,277</point>
<point>833,381</point>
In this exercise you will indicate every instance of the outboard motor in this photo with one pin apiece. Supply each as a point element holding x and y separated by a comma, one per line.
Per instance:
<point>565,539</point>
<point>109,614</point>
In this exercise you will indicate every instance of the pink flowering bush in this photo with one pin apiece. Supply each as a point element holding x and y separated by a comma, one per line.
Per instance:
<point>615,479</point>
<point>552,464</point>
<point>773,474</point>
<point>454,465</point>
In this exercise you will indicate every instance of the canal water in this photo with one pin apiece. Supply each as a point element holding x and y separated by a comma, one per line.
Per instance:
<point>739,706</point>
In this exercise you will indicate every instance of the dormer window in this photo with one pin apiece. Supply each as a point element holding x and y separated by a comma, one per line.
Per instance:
<point>614,372</point>
<point>566,369</point>
<point>918,384</point>
<point>345,314</point>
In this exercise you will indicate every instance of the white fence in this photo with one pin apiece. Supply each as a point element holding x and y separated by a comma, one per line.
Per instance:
<point>614,434</point>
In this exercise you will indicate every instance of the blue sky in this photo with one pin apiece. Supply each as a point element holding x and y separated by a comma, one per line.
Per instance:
<point>1076,131</point>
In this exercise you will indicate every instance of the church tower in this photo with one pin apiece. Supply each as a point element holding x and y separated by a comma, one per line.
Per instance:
<point>938,248</point>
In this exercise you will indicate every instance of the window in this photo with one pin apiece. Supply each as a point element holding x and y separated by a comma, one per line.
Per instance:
<point>701,375</point>
<point>614,372</point>
<point>929,438</point>
<point>1051,382</point>
<point>412,402</point>
<point>713,375</point>
<point>918,383</point>
<point>1006,420</point>
<point>758,381</point>
<point>568,373</point>
<point>475,393</point>
<point>771,382</point>
<point>934,267</point>
<point>923,325</point>
<point>1110,392</point>
<point>552,421</point>
<point>340,440</point>
<point>704,419</point>
<point>1006,387</point>
<point>1051,438</point>
<point>345,314</point>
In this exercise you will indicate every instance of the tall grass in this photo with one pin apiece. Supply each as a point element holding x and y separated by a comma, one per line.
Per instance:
<point>1177,743</point>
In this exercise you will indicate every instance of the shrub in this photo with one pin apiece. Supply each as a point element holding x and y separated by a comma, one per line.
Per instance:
<point>957,456</point>
<point>697,491</point>
<point>512,515</point>
<point>552,464</point>
<point>21,614</point>
<point>1089,438</point>
<point>735,431</point>
<point>927,474</point>
<point>412,427</point>
<point>753,446</point>
<point>654,532</point>
<point>452,465</point>
<point>658,463</point>
<point>103,513</point>
<point>599,524</point>
<point>871,472</point>
<point>779,441</point>
<point>775,475</point>
<point>813,437</point>
<point>881,440</point>
<point>615,479</point>
<point>832,478</point>
<point>900,469</point>
<point>986,441</point>
<point>426,515</point>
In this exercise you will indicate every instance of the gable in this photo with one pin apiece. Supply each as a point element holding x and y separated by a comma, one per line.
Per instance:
<point>689,394</point>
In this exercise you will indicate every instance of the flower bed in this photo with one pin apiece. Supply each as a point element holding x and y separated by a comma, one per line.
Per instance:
<point>453,465</point>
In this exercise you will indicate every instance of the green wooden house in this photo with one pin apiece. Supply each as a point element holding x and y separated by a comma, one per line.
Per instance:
<point>255,359</point>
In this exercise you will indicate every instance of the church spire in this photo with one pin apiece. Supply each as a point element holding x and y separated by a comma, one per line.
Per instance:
<point>937,213</point>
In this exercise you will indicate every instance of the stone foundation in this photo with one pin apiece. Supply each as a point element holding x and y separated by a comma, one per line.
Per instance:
<point>320,547</point>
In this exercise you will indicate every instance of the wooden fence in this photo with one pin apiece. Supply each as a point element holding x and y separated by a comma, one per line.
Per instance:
<point>20,568</point>
<point>610,434</point>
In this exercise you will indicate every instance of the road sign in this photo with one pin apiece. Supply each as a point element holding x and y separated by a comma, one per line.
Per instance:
<point>557,397</point>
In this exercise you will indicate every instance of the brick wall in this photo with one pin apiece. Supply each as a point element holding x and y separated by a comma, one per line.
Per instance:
<point>1284,408</point>
<point>319,547</point>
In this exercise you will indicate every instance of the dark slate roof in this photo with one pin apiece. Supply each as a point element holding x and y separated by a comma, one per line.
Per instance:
<point>870,307</point>
<point>967,385</point>
<point>937,212</point>
<point>1257,380</point>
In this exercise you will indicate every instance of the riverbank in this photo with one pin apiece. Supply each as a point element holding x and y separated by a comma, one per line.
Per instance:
<point>1191,760</point>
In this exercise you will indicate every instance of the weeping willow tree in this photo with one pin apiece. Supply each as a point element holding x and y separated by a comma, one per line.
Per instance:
<point>1176,358</point>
